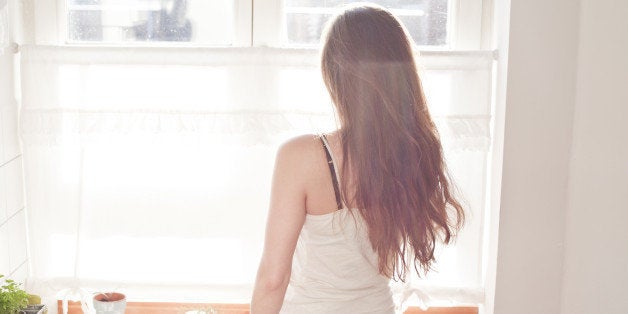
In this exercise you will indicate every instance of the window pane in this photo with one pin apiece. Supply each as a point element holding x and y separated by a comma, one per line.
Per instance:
<point>118,21</point>
<point>426,20</point>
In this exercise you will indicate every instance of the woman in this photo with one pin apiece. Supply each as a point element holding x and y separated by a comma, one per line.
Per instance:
<point>367,203</point>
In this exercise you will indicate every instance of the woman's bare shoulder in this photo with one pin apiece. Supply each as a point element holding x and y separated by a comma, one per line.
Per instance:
<point>301,153</point>
<point>299,146</point>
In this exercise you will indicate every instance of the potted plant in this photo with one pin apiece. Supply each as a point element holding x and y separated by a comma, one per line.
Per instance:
<point>14,300</point>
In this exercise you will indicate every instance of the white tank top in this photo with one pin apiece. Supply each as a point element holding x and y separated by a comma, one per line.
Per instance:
<point>334,268</point>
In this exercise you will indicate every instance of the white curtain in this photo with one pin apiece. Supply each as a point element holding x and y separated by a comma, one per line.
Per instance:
<point>147,170</point>
<point>4,26</point>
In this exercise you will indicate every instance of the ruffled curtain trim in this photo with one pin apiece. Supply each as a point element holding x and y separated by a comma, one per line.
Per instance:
<point>50,126</point>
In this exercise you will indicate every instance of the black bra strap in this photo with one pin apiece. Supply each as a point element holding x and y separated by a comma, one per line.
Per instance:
<point>332,169</point>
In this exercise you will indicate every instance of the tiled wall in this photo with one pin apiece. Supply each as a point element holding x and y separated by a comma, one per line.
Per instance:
<point>13,257</point>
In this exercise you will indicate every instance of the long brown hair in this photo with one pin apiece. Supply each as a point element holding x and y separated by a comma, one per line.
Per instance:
<point>390,144</point>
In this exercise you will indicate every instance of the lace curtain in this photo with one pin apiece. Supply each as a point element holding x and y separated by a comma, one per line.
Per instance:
<point>147,170</point>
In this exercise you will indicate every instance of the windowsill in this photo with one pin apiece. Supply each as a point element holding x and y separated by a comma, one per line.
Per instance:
<point>171,308</point>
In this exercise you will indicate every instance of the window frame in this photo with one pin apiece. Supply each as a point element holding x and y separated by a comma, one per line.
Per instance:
<point>259,23</point>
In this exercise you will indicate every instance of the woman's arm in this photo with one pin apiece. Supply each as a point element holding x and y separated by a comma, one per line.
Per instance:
<point>285,220</point>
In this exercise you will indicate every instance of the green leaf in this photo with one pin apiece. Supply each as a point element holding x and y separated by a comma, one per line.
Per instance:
<point>12,298</point>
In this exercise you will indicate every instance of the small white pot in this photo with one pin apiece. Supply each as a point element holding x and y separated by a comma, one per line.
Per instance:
<point>110,303</point>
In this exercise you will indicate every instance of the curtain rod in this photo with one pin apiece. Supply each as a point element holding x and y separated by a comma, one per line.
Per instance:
<point>494,54</point>
<point>296,49</point>
<point>212,56</point>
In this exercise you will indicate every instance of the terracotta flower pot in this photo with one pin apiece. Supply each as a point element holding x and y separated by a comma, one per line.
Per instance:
<point>110,303</point>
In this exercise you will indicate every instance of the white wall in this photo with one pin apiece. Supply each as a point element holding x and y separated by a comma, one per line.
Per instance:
<point>563,239</point>
<point>540,94</point>
<point>596,239</point>
<point>13,257</point>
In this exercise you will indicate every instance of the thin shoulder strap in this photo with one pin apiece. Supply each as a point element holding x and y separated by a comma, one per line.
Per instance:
<point>332,170</point>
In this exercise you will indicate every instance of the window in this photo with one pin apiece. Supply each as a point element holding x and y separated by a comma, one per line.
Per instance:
<point>426,20</point>
<point>432,23</point>
<point>201,22</point>
<point>118,21</point>
<point>149,143</point>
